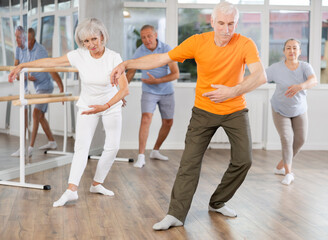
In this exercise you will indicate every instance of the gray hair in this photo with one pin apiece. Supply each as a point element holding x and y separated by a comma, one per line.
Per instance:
<point>292,39</point>
<point>225,8</point>
<point>21,30</point>
<point>90,27</point>
<point>148,26</point>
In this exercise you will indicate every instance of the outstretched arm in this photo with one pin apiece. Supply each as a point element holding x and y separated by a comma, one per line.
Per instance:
<point>174,74</point>
<point>146,62</point>
<point>42,63</point>
<point>251,82</point>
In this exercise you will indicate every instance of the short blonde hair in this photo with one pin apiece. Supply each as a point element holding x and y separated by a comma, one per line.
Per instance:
<point>225,8</point>
<point>90,27</point>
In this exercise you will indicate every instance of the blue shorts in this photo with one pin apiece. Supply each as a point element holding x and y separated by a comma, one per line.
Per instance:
<point>165,104</point>
<point>43,107</point>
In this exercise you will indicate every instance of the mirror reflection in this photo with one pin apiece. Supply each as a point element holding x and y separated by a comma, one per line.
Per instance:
<point>31,30</point>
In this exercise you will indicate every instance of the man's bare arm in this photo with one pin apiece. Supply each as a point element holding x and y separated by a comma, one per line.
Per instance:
<point>251,82</point>
<point>130,74</point>
<point>146,62</point>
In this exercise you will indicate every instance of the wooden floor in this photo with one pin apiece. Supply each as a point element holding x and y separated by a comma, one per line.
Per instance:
<point>266,208</point>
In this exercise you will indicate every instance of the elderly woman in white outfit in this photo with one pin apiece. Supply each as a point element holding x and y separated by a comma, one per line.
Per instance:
<point>98,98</point>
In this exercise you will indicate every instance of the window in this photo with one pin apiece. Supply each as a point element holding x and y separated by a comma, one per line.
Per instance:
<point>34,25</point>
<point>33,7</point>
<point>65,37</point>
<point>16,21</point>
<point>324,48</point>
<point>1,55</point>
<point>15,5</point>
<point>285,25</point>
<point>75,21</point>
<point>191,21</point>
<point>48,5</point>
<point>133,21</point>
<point>47,31</point>
<point>8,41</point>
<point>64,4</point>
<point>291,2</point>
<point>25,13</point>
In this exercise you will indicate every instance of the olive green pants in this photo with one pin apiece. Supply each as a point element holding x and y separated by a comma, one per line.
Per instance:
<point>201,129</point>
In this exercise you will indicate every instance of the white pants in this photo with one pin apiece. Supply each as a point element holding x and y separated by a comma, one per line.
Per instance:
<point>85,129</point>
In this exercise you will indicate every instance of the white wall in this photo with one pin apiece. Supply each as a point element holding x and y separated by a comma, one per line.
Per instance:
<point>264,134</point>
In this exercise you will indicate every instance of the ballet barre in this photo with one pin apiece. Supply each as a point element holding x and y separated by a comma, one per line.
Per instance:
<point>29,96</point>
<point>22,101</point>
<point>53,69</point>
<point>44,100</point>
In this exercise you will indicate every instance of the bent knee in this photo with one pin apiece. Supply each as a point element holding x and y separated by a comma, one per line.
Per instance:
<point>168,122</point>
<point>111,149</point>
<point>245,162</point>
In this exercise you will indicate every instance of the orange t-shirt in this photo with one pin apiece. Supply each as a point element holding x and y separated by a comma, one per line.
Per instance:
<point>217,65</point>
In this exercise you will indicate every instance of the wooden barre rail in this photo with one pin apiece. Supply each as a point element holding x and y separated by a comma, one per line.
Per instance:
<point>55,69</point>
<point>29,96</point>
<point>45,100</point>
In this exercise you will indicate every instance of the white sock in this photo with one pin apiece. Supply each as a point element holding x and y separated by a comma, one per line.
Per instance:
<point>141,161</point>
<point>100,189</point>
<point>226,211</point>
<point>167,222</point>
<point>68,196</point>
<point>30,151</point>
<point>155,154</point>
<point>288,179</point>
<point>279,171</point>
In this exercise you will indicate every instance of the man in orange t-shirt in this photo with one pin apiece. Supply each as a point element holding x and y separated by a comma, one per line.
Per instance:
<point>221,57</point>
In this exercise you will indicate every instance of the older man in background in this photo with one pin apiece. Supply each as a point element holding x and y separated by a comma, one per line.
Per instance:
<point>42,83</point>
<point>157,89</point>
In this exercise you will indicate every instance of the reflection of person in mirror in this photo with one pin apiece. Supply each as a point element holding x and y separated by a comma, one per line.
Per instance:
<point>42,83</point>
<point>98,99</point>
<point>221,57</point>
<point>289,106</point>
<point>157,89</point>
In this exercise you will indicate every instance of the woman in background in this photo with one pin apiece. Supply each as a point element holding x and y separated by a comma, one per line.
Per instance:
<point>289,106</point>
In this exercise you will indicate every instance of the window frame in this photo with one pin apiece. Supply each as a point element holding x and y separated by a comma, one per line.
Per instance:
<point>315,9</point>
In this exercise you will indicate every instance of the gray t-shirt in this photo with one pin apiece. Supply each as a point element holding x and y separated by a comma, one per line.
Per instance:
<point>284,77</point>
<point>161,88</point>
